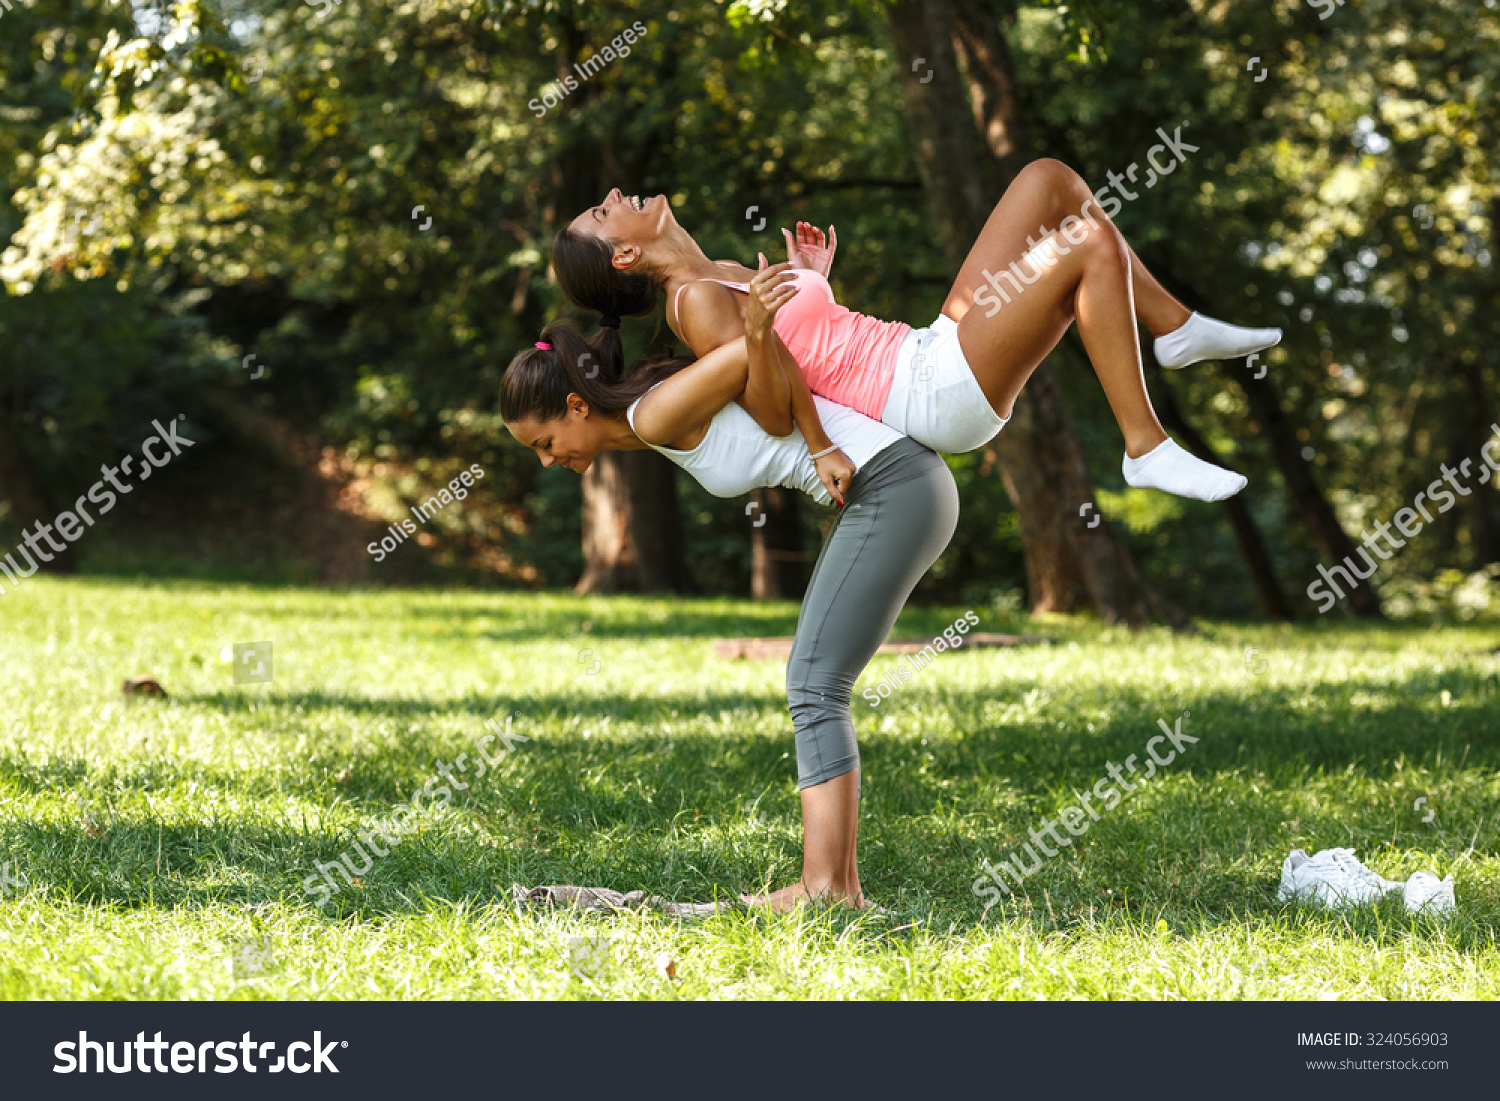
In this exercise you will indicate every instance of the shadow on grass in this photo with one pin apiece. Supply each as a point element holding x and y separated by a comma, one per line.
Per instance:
<point>1363,726</point>
<point>659,793</point>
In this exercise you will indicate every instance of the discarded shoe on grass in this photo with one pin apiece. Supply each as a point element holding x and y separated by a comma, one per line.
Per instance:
<point>1426,892</point>
<point>1335,878</point>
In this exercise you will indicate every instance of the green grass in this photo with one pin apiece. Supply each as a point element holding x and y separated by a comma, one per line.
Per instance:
<point>147,839</point>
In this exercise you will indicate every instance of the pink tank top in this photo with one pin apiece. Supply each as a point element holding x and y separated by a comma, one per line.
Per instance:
<point>847,357</point>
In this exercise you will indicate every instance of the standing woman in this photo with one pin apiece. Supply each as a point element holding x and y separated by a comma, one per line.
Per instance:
<point>952,385</point>
<point>900,510</point>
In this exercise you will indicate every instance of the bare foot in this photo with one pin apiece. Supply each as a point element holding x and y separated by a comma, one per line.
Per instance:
<point>789,898</point>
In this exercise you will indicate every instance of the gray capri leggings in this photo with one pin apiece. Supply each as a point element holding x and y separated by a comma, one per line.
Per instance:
<point>899,513</point>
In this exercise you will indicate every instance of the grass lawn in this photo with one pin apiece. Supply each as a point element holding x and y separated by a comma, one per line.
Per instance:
<point>145,845</point>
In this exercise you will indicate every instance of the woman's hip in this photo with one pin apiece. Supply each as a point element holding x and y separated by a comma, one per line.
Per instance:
<point>935,398</point>
<point>891,531</point>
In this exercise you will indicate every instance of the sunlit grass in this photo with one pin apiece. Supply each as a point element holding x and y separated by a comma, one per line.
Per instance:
<point>144,844</point>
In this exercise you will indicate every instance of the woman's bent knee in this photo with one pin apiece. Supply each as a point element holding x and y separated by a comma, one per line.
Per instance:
<point>1054,175</point>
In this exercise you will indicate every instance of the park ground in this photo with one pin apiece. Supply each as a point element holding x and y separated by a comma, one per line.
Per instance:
<point>158,848</point>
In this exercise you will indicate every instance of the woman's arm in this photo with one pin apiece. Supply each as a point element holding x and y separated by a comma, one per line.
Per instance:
<point>709,317</point>
<point>676,411</point>
<point>768,396</point>
<point>745,368</point>
<point>776,394</point>
<point>787,391</point>
<point>835,470</point>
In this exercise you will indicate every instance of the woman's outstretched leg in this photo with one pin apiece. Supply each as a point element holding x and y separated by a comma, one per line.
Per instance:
<point>1044,195</point>
<point>1014,301</point>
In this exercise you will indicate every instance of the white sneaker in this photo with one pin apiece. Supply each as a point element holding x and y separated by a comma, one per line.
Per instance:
<point>1425,892</point>
<point>1333,877</point>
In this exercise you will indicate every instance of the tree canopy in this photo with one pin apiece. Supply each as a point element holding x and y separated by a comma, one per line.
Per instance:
<point>195,183</point>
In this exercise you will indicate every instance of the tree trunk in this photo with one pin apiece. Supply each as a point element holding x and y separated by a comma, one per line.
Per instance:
<point>29,502</point>
<point>778,568</point>
<point>1262,572</point>
<point>968,143</point>
<point>1316,512</point>
<point>1483,528</point>
<point>1481,521</point>
<point>632,533</point>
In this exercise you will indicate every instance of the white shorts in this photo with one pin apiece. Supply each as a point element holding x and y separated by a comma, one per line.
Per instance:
<point>935,398</point>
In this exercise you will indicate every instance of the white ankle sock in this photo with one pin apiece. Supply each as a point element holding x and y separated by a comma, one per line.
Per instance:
<point>1171,469</point>
<point>1201,338</point>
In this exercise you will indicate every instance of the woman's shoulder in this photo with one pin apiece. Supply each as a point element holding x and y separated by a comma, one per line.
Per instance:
<point>706,301</point>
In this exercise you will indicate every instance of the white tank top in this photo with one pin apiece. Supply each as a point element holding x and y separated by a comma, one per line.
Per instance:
<point>736,455</point>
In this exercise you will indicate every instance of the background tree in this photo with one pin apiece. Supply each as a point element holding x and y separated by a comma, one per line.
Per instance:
<point>192,186</point>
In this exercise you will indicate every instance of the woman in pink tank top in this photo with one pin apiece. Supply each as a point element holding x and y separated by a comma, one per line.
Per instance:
<point>963,372</point>
<point>846,357</point>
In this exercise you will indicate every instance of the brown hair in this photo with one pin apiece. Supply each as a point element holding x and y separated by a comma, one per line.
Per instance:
<point>538,381</point>
<point>591,282</point>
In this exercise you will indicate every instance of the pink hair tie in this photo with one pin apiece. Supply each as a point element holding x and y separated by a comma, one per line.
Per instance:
<point>544,346</point>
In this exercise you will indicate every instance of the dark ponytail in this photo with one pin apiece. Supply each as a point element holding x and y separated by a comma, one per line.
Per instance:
<point>591,282</point>
<point>538,381</point>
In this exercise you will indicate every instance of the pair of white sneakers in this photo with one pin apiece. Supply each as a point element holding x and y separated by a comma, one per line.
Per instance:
<point>1336,878</point>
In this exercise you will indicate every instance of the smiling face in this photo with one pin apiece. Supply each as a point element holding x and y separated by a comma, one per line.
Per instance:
<point>572,440</point>
<point>628,222</point>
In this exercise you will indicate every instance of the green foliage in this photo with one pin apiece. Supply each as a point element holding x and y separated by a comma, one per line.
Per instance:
<point>253,170</point>
<point>1303,209</point>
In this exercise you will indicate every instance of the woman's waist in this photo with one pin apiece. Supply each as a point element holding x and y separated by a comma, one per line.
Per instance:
<point>729,463</point>
<point>854,367</point>
<point>838,337</point>
<point>898,462</point>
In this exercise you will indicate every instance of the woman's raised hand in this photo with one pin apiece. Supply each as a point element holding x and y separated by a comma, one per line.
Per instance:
<point>811,249</point>
<point>770,288</point>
